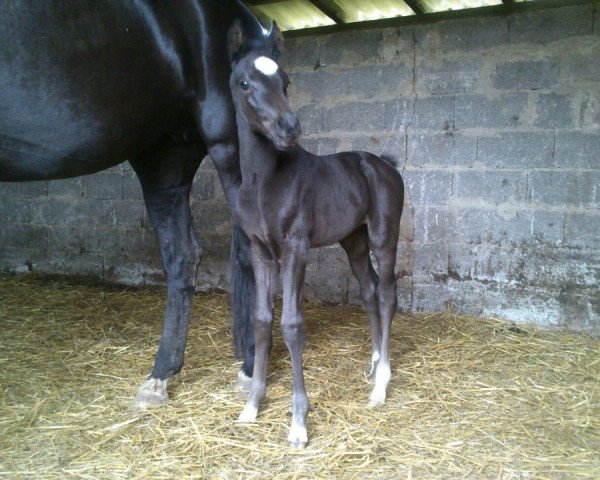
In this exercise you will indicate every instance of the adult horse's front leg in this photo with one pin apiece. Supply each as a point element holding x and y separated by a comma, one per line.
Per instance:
<point>292,326</point>
<point>166,176</point>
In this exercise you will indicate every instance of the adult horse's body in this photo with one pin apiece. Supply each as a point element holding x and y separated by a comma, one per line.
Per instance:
<point>87,85</point>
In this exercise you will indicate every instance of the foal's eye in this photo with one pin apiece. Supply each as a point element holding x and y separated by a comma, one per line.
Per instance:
<point>244,85</point>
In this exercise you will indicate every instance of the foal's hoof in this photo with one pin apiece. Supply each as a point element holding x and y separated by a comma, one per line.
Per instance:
<point>152,393</point>
<point>248,414</point>
<point>243,382</point>
<point>298,437</point>
<point>376,399</point>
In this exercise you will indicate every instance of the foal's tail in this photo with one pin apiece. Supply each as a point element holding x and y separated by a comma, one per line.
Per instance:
<point>242,290</point>
<point>389,159</point>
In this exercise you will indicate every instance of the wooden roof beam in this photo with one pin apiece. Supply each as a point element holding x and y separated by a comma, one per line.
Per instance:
<point>327,10</point>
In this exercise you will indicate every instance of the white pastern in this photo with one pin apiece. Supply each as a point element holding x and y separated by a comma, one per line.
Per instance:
<point>153,392</point>
<point>266,65</point>
<point>382,378</point>
<point>244,382</point>
<point>298,437</point>
<point>248,414</point>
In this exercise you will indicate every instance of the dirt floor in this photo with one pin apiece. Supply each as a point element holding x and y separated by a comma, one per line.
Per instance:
<point>469,398</point>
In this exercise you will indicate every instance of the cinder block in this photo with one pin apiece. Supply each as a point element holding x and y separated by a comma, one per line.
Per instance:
<point>522,305</point>
<point>583,65</point>
<point>490,186</point>
<point>428,187</point>
<point>564,269</point>
<point>577,150</point>
<point>320,85</point>
<point>508,228</point>
<point>350,48</point>
<point>310,118</point>
<point>544,26</point>
<point>516,150</point>
<point>431,224</point>
<point>132,190</point>
<point>458,76</point>
<point>203,187</point>
<point>582,230</point>
<point>462,34</point>
<point>104,185</point>
<point>300,52</point>
<point>13,211</point>
<point>475,111</point>
<point>441,149</point>
<point>24,189</point>
<point>24,236</point>
<point>393,145</point>
<point>399,114</point>
<point>61,211</point>
<point>321,146</point>
<point>430,262</point>
<point>527,75</point>
<point>589,114</point>
<point>434,114</point>
<point>119,212</point>
<point>554,111</point>
<point>548,227</point>
<point>564,188</point>
<point>355,117</point>
<point>372,81</point>
<point>68,188</point>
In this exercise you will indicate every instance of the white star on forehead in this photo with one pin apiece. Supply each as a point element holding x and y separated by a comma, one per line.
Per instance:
<point>266,65</point>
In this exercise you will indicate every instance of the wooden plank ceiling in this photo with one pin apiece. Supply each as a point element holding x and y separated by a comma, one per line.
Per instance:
<point>300,14</point>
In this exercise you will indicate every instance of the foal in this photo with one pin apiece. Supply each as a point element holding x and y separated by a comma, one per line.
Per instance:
<point>291,201</point>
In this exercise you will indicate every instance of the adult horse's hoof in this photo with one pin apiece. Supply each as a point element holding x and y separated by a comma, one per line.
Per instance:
<point>243,382</point>
<point>152,393</point>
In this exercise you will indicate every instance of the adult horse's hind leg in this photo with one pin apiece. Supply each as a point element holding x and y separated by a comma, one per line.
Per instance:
<point>356,246</point>
<point>166,172</point>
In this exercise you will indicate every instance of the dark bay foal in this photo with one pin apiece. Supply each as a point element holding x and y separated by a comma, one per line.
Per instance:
<point>291,201</point>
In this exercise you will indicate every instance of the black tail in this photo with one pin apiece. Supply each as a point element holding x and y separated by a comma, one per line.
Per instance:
<point>242,291</point>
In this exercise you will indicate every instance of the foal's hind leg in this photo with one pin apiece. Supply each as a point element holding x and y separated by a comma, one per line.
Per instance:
<point>292,326</point>
<point>388,302</point>
<point>356,246</point>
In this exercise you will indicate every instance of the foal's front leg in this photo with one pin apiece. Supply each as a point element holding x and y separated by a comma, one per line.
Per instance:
<point>292,326</point>
<point>265,273</point>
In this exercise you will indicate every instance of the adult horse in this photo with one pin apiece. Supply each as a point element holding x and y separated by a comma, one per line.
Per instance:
<point>85,86</point>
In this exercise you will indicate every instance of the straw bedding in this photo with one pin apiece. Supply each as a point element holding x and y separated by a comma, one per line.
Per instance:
<point>469,398</point>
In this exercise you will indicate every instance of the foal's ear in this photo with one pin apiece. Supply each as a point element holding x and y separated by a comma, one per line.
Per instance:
<point>276,40</point>
<point>235,39</point>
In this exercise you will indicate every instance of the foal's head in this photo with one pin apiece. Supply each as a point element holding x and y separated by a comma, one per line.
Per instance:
<point>259,88</point>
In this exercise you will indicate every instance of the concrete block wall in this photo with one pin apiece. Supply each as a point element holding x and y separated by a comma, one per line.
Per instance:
<point>495,123</point>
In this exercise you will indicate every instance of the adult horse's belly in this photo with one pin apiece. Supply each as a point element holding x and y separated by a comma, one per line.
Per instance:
<point>82,87</point>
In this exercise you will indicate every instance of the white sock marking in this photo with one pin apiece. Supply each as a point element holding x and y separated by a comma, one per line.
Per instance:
<point>266,65</point>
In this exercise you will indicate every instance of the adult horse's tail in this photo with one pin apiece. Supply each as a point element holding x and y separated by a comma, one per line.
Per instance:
<point>242,298</point>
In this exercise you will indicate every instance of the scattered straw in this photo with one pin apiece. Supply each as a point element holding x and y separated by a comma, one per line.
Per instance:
<point>469,398</point>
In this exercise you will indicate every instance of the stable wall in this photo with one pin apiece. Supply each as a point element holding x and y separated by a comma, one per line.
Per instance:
<point>495,123</point>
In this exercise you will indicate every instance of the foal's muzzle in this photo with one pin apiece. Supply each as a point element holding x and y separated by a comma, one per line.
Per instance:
<point>287,129</point>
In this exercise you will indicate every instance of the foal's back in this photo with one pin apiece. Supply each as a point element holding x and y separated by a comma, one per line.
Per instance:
<point>329,196</point>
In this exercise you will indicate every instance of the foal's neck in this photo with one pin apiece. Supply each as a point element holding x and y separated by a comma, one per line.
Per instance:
<point>258,155</point>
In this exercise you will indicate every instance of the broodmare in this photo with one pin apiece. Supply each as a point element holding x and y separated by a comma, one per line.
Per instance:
<point>87,85</point>
<point>291,201</point>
